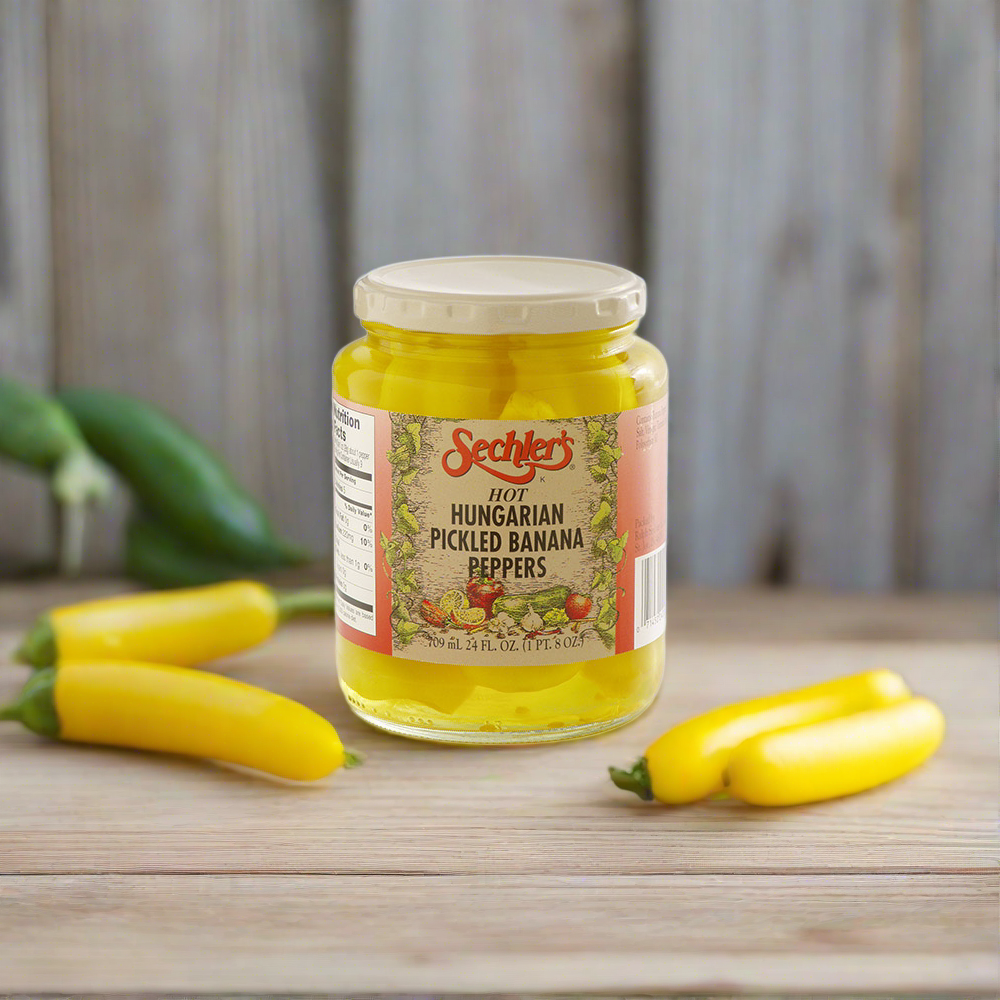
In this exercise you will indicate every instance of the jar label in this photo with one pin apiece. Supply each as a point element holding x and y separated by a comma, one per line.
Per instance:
<point>500,542</point>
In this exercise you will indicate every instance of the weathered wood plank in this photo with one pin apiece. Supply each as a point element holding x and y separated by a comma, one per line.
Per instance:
<point>195,226</point>
<point>825,995</point>
<point>773,284</point>
<point>525,144</point>
<point>499,935</point>
<point>957,501</point>
<point>26,527</point>
<point>535,810</point>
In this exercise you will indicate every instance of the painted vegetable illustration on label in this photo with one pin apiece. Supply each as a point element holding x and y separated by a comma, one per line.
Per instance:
<point>531,622</point>
<point>468,617</point>
<point>531,613</point>
<point>541,601</point>
<point>432,614</point>
<point>483,591</point>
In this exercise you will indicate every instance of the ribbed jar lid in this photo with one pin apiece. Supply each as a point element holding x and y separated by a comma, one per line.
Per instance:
<point>494,295</point>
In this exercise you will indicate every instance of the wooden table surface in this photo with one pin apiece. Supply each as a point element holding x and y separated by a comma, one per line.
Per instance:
<point>436,869</point>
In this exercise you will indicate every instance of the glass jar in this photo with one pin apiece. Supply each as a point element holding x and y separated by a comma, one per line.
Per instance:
<point>500,500</point>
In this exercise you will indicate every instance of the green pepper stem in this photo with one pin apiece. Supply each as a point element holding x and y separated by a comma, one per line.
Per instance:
<point>352,759</point>
<point>72,531</point>
<point>292,603</point>
<point>78,479</point>
<point>38,648</point>
<point>36,707</point>
<point>636,780</point>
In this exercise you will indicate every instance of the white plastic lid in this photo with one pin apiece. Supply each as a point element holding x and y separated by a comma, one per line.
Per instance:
<point>493,295</point>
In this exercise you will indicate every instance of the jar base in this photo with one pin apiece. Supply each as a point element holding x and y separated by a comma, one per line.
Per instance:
<point>509,737</point>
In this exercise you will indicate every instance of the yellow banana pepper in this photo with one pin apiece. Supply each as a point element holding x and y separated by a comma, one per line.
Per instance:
<point>411,386</point>
<point>592,390</point>
<point>687,762</point>
<point>182,627</point>
<point>148,706</point>
<point>838,757</point>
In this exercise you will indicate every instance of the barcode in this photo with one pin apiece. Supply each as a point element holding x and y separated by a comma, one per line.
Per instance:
<point>650,596</point>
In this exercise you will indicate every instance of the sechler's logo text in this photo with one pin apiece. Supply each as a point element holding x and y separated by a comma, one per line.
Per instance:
<point>510,458</point>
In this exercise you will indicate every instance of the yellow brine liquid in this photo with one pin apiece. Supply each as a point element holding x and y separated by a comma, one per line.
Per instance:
<point>493,351</point>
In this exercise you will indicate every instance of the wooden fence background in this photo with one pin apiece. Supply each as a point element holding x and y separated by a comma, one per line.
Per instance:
<point>189,187</point>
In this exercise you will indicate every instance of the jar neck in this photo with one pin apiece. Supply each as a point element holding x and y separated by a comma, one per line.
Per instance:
<point>401,343</point>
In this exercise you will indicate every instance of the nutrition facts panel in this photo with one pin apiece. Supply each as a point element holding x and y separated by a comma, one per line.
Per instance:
<point>354,517</point>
